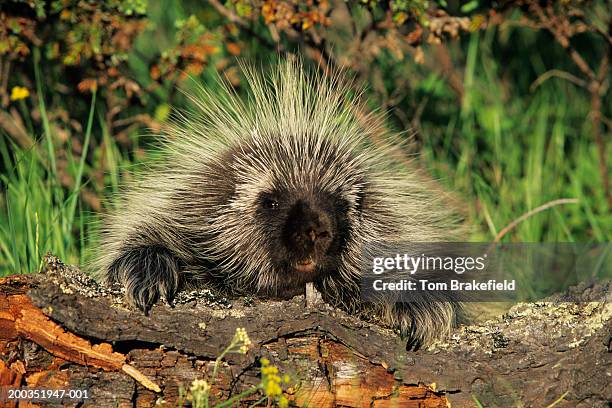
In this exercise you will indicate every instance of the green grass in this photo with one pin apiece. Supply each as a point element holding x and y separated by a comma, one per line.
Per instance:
<point>505,150</point>
<point>509,151</point>
<point>38,214</point>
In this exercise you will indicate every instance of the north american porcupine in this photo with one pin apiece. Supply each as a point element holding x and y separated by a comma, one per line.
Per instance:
<point>265,196</point>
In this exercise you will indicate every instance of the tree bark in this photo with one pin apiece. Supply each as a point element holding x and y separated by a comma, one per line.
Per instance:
<point>61,330</point>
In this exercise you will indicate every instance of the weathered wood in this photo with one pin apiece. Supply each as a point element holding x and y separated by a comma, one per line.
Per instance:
<point>530,356</point>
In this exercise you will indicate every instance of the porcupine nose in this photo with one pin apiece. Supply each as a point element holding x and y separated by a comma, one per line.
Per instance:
<point>316,231</point>
<point>307,229</point>
<point>313,230</point>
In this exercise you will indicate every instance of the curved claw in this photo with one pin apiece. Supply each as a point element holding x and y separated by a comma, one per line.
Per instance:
<point>147,274</point>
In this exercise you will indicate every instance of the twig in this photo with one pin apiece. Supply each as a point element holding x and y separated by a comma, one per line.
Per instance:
<point>606,121</point>
<point>605,35</point>
<point>596,89</point>
<point>559,74</point>
<point>140,377</point>
<point>11,123</point>
<point>528,214</point>
<point>416,119</point>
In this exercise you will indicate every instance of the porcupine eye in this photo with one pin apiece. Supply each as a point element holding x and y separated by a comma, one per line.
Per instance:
<point>269,203</point>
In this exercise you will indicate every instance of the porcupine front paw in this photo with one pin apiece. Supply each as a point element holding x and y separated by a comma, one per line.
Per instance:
<point>146,272</point>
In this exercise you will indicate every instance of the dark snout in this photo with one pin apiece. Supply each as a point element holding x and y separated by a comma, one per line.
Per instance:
<point>307,234</point>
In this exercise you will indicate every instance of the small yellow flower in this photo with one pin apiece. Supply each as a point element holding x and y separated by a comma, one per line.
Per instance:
<point>199,393</point>
<point>286,379</point>
<point>283,402</point>
<point>241,336</point>
<point>199,386</point>
<point>19,92</point>
<point>272,389</point>
<point>269,370</point>
<point>264,361</point>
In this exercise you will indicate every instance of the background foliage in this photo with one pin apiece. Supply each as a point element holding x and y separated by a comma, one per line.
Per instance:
<point>507,102</point>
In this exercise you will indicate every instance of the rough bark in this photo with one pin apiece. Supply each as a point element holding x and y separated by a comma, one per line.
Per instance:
<point>61,330</point>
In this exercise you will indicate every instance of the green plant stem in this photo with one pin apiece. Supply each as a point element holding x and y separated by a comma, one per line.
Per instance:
<point>231,346</point>
<point>79,175</point>
<point>558,400</point>
<point>236,398</point>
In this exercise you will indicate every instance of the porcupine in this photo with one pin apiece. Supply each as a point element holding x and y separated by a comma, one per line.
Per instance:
<point>261,197</point>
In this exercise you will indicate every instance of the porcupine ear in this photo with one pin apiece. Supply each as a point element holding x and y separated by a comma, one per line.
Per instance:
<point>146,273</point>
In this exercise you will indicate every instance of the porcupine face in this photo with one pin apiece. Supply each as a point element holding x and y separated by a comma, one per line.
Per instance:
<point>300,207</point>
<point>307,230</point>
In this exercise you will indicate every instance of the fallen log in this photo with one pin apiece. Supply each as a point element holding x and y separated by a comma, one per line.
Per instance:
<point>60,330</point>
